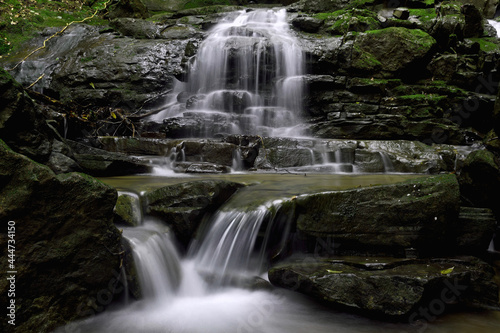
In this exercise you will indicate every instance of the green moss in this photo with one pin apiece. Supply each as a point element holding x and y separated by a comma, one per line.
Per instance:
<point>425,14</point>
<point>21,19</point>
<point>365,60</point>
<point>488,44</point>
<point>4,146</point>
<point>422,97</point>
<point>86,59</point>
<point>204,3</point>
<point>345,20</point>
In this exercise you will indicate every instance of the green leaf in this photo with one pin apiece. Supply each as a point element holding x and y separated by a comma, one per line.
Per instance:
<point>447,271</point>
<point>333,272</point>
<point>92,85</point>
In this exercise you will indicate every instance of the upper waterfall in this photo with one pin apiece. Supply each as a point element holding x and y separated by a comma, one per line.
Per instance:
<point>245,79</point>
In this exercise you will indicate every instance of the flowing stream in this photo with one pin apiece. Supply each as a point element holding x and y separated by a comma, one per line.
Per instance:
<point>219,284</point>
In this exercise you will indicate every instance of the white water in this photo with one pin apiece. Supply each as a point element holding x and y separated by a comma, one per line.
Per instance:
<point>177,297</point>
<point>245,79</point>
<point>180,294</point>
<point>495,25</point>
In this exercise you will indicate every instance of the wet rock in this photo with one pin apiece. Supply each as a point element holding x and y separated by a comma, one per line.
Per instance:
<point>128,210</point>
<point>307,24</point>
<point>474,230</point>
<point>109,70</point>
<point>388,219</point>
<point>68,251</point>
<point>183,206</point>
<point>388,287</point>
<point>487,8</point>
<point>474,25</point>
<point>282,157</point>
<point>200,167</point>
<point>480,180</point>
<point>136,28</point>
<point>137,146</point>
<point>101,163</point>
<point>22,124</point>
<point>401,13</point>
<point>180,32</point>
<point>450,21</point>
<point>387,127</point>
<point>128,8</point>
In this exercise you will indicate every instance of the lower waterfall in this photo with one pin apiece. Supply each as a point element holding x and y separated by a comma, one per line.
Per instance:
<point>219,284</point>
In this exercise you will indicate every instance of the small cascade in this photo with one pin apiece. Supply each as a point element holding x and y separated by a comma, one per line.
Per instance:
<point>237,161</point>
<point>227,249</point>
<point>247,78</point>
<point>156,259</point>
<point>175,155</point>
<point>386,160</point>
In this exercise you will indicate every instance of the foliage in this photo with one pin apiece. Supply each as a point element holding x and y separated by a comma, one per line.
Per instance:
<point>20,19</point>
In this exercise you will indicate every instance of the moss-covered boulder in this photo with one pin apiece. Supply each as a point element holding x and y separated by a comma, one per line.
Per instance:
<point>390,51</point>
<point>385,287</point>
<point>345,20</point>
<point>183,206</point>
<point>415,214</point>
<point>67,257</point>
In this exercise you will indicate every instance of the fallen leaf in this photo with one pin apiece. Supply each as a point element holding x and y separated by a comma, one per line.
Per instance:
<point>447,271</point>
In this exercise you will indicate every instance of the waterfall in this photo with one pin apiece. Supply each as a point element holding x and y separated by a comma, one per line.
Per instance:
<point>227,247</point>
<point>156,259</point>
<point>245,79</point>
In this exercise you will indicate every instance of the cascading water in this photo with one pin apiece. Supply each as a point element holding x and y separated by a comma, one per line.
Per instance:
<point>245,79</point>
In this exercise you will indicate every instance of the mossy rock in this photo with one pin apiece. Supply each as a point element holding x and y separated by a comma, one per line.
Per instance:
<point>386,52</point>
<point>183,206</point>
<point>68,250</point>
<point>345,20</point>
<point>388,287</point>
<point>412,214</point>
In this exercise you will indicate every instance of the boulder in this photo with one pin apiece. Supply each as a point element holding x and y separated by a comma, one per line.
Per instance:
<point>474,25</point>
<point>307,23</point>
<point>410,50</point>
<point>418,214</point>
<point>388,287</point>
<point>183,206</point>
<point>343,21</point>
<point>128,8</point>
<point>22,125</point>
<point>401,13</point>
<point>480,180</point>
<point>136,28</point>
<point>128,210</point>
<point>67,254</point>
